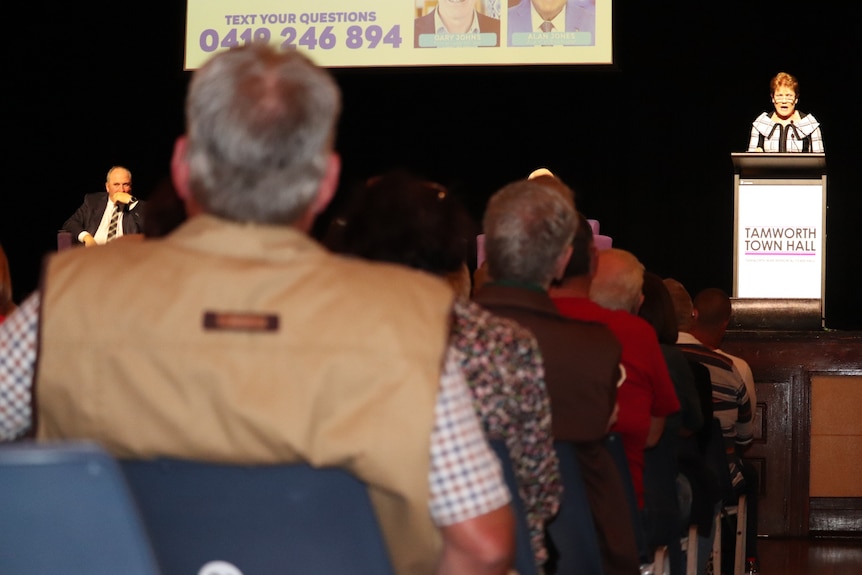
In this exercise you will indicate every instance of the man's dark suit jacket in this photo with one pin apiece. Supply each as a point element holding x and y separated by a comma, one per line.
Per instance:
<point>89,215</point>
<point>425,25</point>
<point>581,372</point>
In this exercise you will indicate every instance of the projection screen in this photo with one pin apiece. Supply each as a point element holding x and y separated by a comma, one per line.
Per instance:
<point>380,33</point>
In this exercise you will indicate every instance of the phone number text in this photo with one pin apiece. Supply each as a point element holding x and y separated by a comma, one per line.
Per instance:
<point>355,37</point>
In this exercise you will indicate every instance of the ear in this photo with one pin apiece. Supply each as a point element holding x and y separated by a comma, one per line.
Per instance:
<point>180,176</point>
<point>562,262</point>
<point>639,304</point>
<point>328,184</point>
<point>180,169</point>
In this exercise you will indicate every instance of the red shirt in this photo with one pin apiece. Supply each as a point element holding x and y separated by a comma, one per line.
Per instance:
<point>647,391</point>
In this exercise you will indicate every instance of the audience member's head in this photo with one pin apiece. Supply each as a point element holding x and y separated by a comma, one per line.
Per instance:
<point>712,307</point>
<point>528,227</point>
<point>259,138</point>
<point>682,305</point>
<point>7,305</point>
<point>618,281</point>
<point>399,218</point>
<point>540,172</point>
<point>657,308</point>
<point>546,177</point>
<point>712,312</point>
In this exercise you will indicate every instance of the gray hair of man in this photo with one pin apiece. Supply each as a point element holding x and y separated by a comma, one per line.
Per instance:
<point>528,229</point>
<point>619,280</point>
<point>261,128</point>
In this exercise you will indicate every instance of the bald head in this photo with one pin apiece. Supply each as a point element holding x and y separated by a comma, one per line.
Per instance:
<point>540,172</point>
<point>682,304</point>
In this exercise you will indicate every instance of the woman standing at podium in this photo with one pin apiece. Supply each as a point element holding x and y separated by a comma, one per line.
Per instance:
<point>786,129</point>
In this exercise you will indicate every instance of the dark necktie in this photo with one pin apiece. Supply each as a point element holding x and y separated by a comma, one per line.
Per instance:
<point>547,26</point>
<point>112,227</point>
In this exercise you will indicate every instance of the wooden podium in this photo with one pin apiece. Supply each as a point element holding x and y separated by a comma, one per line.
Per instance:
<point>779,240</point>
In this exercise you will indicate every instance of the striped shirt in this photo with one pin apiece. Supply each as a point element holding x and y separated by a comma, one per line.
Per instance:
<point>730,401</point>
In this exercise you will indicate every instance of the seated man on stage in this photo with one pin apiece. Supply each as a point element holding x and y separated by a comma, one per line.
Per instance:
<point>105,217</point>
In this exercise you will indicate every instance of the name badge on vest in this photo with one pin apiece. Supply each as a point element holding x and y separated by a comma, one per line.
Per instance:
<point>240,321</point>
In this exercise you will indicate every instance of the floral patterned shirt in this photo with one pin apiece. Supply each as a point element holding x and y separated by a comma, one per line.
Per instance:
<point>503,368</point>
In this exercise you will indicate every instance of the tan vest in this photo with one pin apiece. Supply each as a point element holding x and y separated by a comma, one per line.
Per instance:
<point>251,344</point>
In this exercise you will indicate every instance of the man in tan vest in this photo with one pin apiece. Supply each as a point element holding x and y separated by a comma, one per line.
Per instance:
<point>242,343</point>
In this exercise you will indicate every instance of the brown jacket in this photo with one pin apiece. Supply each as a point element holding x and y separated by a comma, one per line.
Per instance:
<point>251,344</point>
<point>581,372</point>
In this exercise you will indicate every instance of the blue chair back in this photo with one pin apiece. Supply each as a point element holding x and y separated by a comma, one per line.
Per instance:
<point>572,532</point>
<point>525,562</point>
<point>65,508</point>
<point>261,520</point>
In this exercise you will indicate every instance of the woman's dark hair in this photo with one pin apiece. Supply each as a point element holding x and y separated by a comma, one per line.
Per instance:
<point>657,308</point>
<point>400,218</point>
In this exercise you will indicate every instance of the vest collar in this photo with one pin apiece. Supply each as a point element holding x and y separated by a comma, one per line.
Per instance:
<point>210,234</point>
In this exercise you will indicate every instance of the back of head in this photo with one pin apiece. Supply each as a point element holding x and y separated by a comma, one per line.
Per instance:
<point>618,280</point>
<point>657,308</point>
<point>261,127</point>
<point>713,308</point>
<point>399,218</point>
<point>682,304</point>
<point>528,225</point>
<point>551,181</point>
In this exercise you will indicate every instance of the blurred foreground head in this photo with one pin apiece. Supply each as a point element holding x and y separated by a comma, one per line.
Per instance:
<point>259,142</point>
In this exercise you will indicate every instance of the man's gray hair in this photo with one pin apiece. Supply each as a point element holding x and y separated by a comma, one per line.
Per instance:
<point>261,126</point>
<point>527,226</point>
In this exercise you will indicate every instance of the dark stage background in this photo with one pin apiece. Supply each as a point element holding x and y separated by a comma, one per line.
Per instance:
<point>646,143</point>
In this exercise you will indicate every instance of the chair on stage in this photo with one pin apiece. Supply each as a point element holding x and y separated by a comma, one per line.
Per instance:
<point>572,533</point>
<point>64,240</point>
<point>66,508</point>
<point>525,562</point>
<point>222,518</point>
